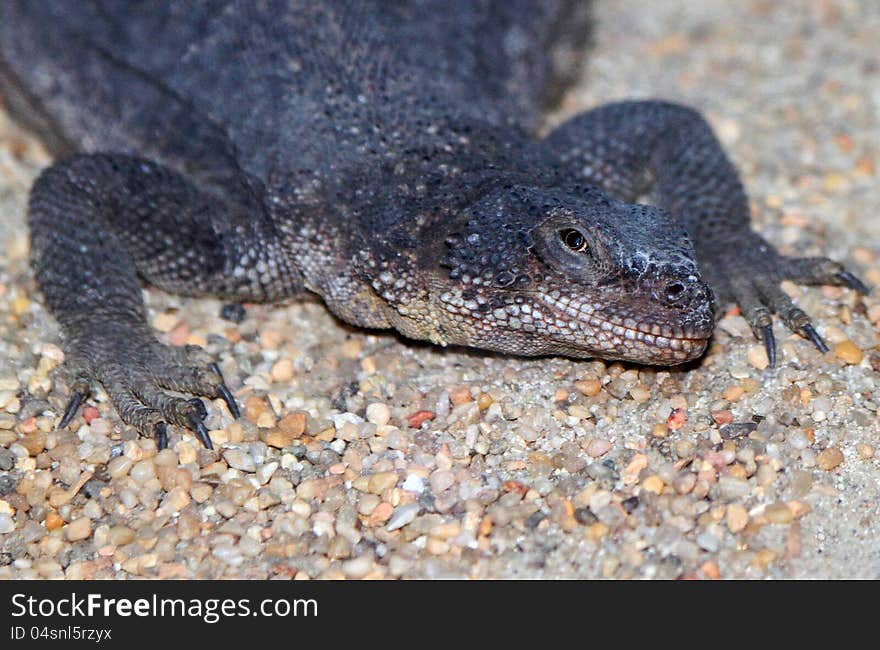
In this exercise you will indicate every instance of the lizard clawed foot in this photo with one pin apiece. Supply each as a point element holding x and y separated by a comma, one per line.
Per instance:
<point>137,379</point>
<point>755,288</point>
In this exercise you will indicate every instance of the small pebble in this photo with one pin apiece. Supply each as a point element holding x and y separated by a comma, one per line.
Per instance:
<point>403,515</point>
<point>779,513</point>
<point>441,480</point>
<point>631,472</point>
<point>233,312</point>
<point>737,517</point>
<point>119,466</point>
<point>7,460</point>
<point>378,413</point>
<point>653,484</point>
<point>239,459</point>
<point>78,529</point>
<point>265,472</point>
<point>598,447</point>
<point>120,535</point>
<point>765,475</point>
<point>90,414</point>
<point>177,499</point>
<point>358,567</point>
<point>865,450</point>
<point>588,387</point>
<point>733,393</point>
<point>708,542</point>
<point>757,357</point>
<point>829,458</point>
<point>282,371</point>
<point>143,470</point>
<point>733,488</point>
<point>381,481</point>
<point>201,492</point>
<point>382,513</point>
<point>640,394</point>
<point>34,442</point>
<point>848,352</point>
<point>367,503</point>
<point>684,482</point>
<point>293,424</point>
<point>277,438</point>
<point>420,417</point>
<point>186,453</point>
<point>676,420</point>
<point>484,401</point>
<point>413,483</point>
<point>53,521</point>
<point>722,417</point>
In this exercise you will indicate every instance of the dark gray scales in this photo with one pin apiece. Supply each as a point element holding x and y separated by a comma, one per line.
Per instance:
<point>382,155</point>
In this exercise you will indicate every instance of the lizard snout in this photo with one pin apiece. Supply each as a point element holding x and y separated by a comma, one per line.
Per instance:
<point>684,293</point>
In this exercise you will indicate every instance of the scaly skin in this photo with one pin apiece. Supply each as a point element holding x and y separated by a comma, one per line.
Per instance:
<point>379,154</point>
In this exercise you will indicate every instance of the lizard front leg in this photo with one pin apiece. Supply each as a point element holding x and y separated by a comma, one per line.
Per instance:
<point>634,148</point>
<point>97,223</point>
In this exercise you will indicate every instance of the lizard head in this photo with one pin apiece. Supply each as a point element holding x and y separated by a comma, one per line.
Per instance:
<point>535,271</point>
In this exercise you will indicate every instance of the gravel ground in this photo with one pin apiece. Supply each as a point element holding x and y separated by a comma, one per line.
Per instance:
<point>370,456</point>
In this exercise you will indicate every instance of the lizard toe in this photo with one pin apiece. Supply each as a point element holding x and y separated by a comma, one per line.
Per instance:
<point>147,420</point>
<point>821,270</point>
<point>757,314</point>
<point>188,413</point>
<point>192,370</point>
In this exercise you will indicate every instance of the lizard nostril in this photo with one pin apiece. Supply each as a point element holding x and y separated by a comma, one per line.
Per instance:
<point>674,292</point>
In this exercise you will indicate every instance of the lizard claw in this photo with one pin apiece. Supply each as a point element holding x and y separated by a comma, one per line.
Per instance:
<point>850,280</point>
<point>76,399</point>
<point>195,423</point>
<point>160,433</point>
<point>810,332</point>
<point>225,394</point>
<point>769,343</point>
<point>200,408</point>
<point>79,393</point>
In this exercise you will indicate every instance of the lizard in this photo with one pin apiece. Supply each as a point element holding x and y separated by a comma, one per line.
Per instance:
<point>385,156</point>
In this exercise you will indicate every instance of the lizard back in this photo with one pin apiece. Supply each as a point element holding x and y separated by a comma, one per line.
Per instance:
<point>278,79</point>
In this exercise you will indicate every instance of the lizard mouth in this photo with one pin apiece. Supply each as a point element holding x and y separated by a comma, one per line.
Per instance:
<point>587,331</point>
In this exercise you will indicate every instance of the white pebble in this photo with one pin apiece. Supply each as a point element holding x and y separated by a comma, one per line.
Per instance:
<point>239,460</point>
<point>7,525</point>
<point>414,483</point>
<point>264,473</point>
<point>341,418</point>
<point>402,516</point>
<point>378,413</point>
<point>229,554</point>
<point>357,567</point>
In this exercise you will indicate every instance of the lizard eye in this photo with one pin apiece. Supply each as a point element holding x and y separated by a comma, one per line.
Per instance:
<point>574,239</point>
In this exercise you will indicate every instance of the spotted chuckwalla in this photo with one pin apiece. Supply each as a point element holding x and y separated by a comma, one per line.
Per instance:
<point>383,155</point>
